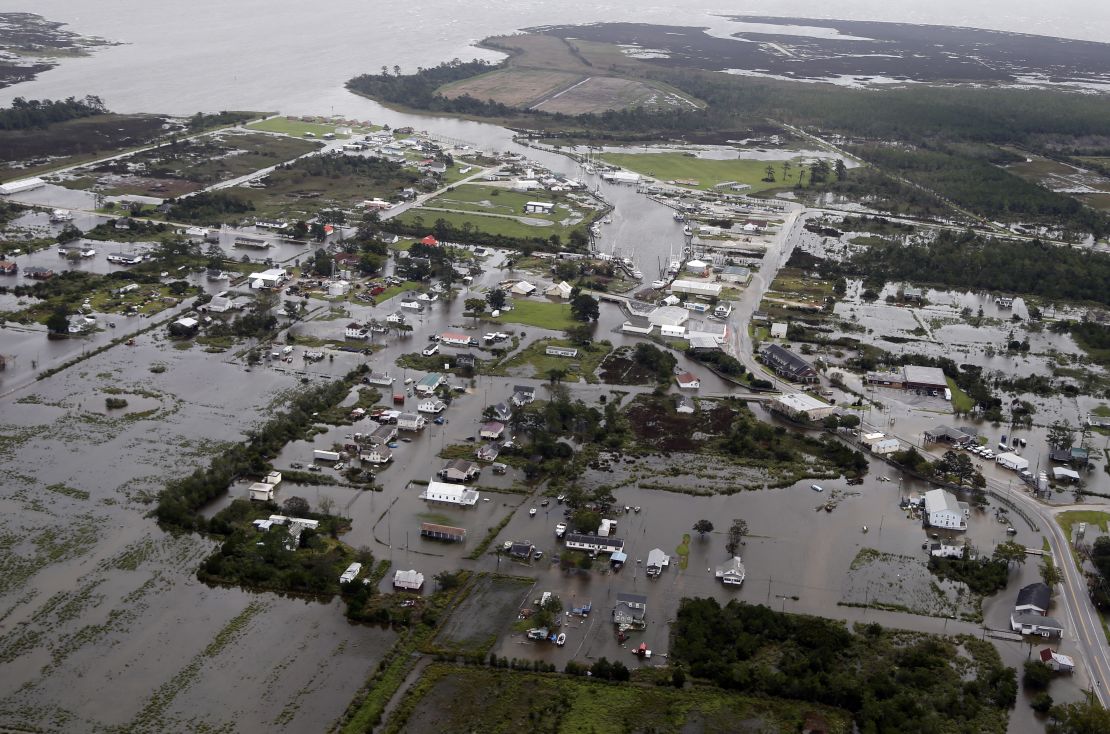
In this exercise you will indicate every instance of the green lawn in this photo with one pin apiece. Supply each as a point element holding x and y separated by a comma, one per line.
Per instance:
<point>672,166</point>
<point>294,127</point>
<point>585,365</point>
<point>1067,520</point>
<point>393,290</point>
<point>553,316</point>
<point>961,401</point>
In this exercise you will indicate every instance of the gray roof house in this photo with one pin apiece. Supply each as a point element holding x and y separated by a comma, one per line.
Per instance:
<point>1033,599</point>
<point>631,610</point>
<point>1035,624</point>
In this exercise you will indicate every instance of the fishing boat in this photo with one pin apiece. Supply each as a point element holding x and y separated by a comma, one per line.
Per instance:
<point>678,217</point>
<point>687,231</point>
<point>658,284</point>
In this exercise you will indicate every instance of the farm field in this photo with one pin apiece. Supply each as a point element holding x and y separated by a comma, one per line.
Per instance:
<point>297,128</point>
<point>513,701</point>
<point>514,87</point>
<point>708,173</point>
<point>552,316</point>
<point>601,93</point>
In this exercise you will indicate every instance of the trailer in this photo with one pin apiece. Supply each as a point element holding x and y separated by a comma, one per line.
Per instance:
<point>1012,461</point>
<point>322,455</point>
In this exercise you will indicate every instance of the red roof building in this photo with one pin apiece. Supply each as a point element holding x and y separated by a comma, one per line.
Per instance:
<point>429,240</point>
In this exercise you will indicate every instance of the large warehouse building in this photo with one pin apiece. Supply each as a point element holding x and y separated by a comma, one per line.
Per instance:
<point>923,378</point>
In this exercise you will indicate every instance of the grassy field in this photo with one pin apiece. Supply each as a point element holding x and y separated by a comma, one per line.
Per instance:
<point>961,401</point>
<point>677,166</point>
<point>585,365</point>
<point>482,223</point>
<point>498,200</point>
<point>511,702</point>
<point>1067,520</point>
<point>296,128</point>
<point>513,87</point>
<point>553,316</point>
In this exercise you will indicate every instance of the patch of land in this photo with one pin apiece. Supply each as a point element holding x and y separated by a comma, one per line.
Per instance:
<point>513,701</point>
<point>687,169</point>
<point>902,583</point>
<point>533,361</point>
<point>31,42</point>
<point>27,153</point>
<point>551,316</point>
<point>519,88</point>
<point>490,606</point>
<point>183,166</point>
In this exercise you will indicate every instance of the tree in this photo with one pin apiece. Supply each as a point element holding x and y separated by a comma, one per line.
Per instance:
<point>736,535</point>
<point>496,299</point>
<point>703,526</point>
<point>296,507</point>
<point>678,677</point>
<point>447,580</point>
<point>584,307</point>
<point>585,521</point>
<point>1037,675</point>
<point>69,233</point>
<point>1049,573</point>
<point>474,306</point>
<point>1061,435</point>
<point>1082,717</point>
<point>58,323</point>
<point>300,229</point>
<point>841,170</point>
<point>1010,552</point>
<point>769,174</point>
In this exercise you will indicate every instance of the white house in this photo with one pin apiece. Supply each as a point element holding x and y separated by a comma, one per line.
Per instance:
<point>410,422</point>
<point>732,572</point>
<point>452,494</point>
<point>1056,661</point>
<point>674,332</point>
<point>377,378</point>
<point>454,339</point>
<point>492,430</point>
<point>409,580</point>
<point>657,560</point>
<point>1035,624</point>
<point>268,278</point>
<point>262,492</point>
<point>778,330</point>
<point>430,383</point>
<point>460,470</point>
<point>431,406</point>
<point>378,453</point>
<point>687,381</point>
<point>699,268</point>
<point>411,305</point>
<point>942,510</point>
<point>637,324</point>
<point>559,290</point>
<point>523,288</point>
<point>593,543</point>
<point>395,318</point>
<point>356,331</point>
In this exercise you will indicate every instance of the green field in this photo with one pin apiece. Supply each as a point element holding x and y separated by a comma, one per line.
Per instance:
<point>708,173</point>
<point>961,401</point>
<point>495,211</point>
<point>584,366</point>
<point>512,701</point>
<point>294,127</point>
<point>553,316</point>
<point>1067,520</point>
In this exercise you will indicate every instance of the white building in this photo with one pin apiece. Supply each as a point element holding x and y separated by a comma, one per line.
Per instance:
<point>408,580</point>
<point>657,560</point>
<point>339,288</point>
<point>687,381</point>
<point>268,278</point>
<point>431,406</point>
<point>695,288</point>
<point>377,453</point>
<point>454,339</point>
<point>1012,461</point>
<point>669,316</point>
<point>538,207</point>
<point>802,405</point>
<point>24,184</point>
<point>559,290</point>
<point>778,330</point>
<point>942,510</point>
<point>411,422</point>
<point>351,573</point>
<point>356,331</point>
<point>732,572</point>
<point>262,492</point>
<point>523,288</point>
<point>452,494</point>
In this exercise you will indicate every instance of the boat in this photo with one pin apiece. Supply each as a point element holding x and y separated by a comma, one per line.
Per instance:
<point>61,215</point>
<point>678,217</point>
<point>658,284</point>
<point>637,274</point>
<point>817,488</point>
<point>687,231</point>
<point>561,639</point>
<point>532,512</point>
<point>607,220</point>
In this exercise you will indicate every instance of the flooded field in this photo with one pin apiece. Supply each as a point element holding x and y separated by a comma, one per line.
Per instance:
<point>90,586</point>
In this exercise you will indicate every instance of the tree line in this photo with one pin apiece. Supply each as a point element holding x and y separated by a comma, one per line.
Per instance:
<point>25,114</point>
<point>891,682</point>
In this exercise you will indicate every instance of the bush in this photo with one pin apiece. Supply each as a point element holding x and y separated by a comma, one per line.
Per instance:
<point>115,403</point>
<point>1037,675</point>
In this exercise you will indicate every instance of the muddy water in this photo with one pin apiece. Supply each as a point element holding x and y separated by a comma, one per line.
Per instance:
<point>91,587</point>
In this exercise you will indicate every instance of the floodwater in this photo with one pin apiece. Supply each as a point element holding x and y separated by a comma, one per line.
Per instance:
<point>91,586</point>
